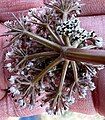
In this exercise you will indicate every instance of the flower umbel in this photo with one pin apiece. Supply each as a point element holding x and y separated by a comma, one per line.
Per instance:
<point>52,55</point>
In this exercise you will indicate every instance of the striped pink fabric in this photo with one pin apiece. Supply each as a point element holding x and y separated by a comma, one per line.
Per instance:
<point>16,6</point>
<point>100,93</point>
<point>84,106</point>
<point>94,23</point>
<point>93,7</point>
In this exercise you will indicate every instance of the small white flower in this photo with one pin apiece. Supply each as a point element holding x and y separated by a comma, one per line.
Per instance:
<point>22,73</point>
<point>85,33</point>
<point>32,11</point>
<point>83,92</point>
<point>51,73</point>
<point>21,103</point>
<point>94,72</point>
<point>42,86</point>
<point>17,42</point>
<point>88,76</point>
<point>8,55</point>
<point>71,100</point>
<point>77,3</point>
<point>78,12</point>
<point>82,96</point>
<point>92,34</point>
<point>31,107</point>
<point>8,65</point>
<point>10,69</point>
<point>81,30</point>
<point>92,86</point>
<point>26,18</point>
<point>8,23</point>
<point>49,111</point>
<point>14,90</point>
<point>99,42</point>
<point>84,88</point>
<point>30,64</point>
<point>100,67</point>
<point>17,92</point>
<point>12,79</point>
<point>77,7</point>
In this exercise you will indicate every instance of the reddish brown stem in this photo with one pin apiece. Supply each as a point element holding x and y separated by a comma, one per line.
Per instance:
<point>90,56</point>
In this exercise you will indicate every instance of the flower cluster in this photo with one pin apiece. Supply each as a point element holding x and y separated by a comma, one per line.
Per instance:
<point>71,5</point>
<point>73,30</point>
<point>36,64</point>
<point>69,27</point>
<point>84,86</point>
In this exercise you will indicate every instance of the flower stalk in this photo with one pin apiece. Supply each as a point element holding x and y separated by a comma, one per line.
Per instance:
<point>43,72</point>
<point>43,41</point>
<point>90,56</point>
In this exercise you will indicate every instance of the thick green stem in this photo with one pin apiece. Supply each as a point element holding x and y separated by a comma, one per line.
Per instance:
<point>43,41</point>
